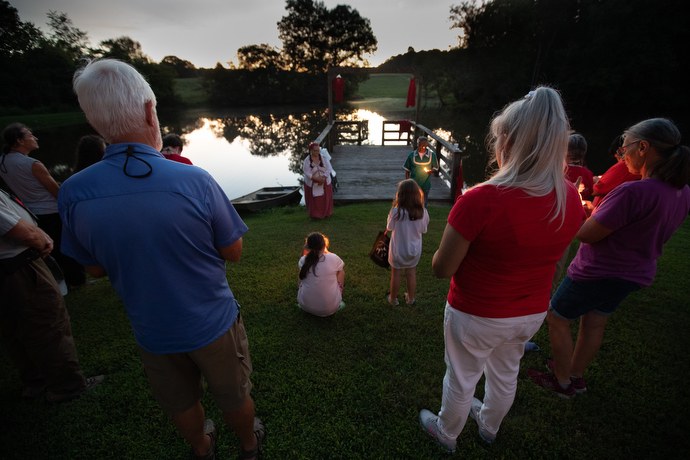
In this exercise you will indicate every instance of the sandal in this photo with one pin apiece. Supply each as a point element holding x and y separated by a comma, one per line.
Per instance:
<point>260,433</point>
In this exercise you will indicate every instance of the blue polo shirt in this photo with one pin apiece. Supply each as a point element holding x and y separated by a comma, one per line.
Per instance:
<point>415,165</point>
<point>156,236</point>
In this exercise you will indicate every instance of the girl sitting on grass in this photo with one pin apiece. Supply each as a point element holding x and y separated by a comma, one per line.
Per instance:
<point>407,220</point>
<point>321,278</point>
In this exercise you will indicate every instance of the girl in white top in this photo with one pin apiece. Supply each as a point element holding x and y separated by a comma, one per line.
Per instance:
<point>321,278</point>
<point>407,220</point>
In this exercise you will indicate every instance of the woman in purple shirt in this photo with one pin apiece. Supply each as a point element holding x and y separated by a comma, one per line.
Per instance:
<point>620,244</point>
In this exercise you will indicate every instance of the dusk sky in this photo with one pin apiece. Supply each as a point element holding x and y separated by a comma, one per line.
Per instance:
<point>209,31</point>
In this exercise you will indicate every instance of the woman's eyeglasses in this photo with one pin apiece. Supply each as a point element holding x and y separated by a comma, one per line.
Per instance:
<point>624,148</point>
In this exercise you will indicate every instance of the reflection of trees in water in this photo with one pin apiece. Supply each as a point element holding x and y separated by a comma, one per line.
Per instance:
<point>270,135</point>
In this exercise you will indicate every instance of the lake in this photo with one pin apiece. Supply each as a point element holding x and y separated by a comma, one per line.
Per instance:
<point>246,149</point>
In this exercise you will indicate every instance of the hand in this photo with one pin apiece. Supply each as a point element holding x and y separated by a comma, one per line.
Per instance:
<point>588,207</point>
<point>578,182</point>
<point>48,248</point>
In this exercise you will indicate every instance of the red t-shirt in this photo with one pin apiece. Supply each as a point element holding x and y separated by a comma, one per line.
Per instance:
<point>572,172</point>
<point>178,158</point>
<point>615,176</point>
<point>510,263</point>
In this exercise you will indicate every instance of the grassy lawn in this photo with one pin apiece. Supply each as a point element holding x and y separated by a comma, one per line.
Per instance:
<point>351,386</point>
<point>385,85</point>
<point>190,91</point>
<point>46,120</point>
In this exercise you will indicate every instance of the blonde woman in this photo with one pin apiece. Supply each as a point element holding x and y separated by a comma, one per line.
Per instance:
<point>500,247</point>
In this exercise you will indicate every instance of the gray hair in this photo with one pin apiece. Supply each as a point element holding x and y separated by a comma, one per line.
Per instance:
<point>673,166</point>
<point>531,135</point>
<point>577,147</point>
<point>112,94</point>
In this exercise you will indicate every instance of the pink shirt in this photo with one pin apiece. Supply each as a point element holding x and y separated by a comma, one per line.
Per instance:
<point>320,294</point>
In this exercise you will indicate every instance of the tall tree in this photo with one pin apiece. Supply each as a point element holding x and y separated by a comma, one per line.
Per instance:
<point>67,37</point>
<point>262,56</point>
<point>16,36</point>
<point>315,37</point>
<point>184,68</point>
<point>123,48</point>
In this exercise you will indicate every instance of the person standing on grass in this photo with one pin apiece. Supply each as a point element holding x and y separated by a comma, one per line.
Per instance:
<point>162,232</point>
<point>500,247</point>
<point>619,246</point>
<point>318,191</point>
<point>35,326</point>
<point>420,165</point>
<point>407,220</point>
<point>31,182</point>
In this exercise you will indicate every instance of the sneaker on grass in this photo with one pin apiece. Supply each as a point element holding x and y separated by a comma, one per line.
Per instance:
<point>211,432</point>
<point>474,413</point>
<point>89,384</point>
<point>550,382</point>
<point>260,433</point>
<point>578,382</point>
<point>429,422</point>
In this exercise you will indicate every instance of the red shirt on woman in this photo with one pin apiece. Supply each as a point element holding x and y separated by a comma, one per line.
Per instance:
<point>510,263</point>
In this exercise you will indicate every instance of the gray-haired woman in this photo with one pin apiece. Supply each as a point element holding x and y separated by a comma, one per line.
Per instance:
<point>620,244</point>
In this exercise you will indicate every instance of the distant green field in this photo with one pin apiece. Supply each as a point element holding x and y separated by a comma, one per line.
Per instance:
<point>385,85</point>
<point>46,120</point>
<point>190,91</point>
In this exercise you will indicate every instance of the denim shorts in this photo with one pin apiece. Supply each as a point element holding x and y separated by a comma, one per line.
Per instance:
<point>576,298</point>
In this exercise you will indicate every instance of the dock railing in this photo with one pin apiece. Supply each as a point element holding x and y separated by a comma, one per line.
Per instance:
<point>396,130</point>
<point>446,152</point>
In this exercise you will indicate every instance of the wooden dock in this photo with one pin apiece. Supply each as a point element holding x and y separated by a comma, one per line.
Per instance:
<point>371,173</point>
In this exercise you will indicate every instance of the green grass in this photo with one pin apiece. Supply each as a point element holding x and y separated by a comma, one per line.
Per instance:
<point>351,386</point>
<point>385,85</point>
<point>46,120</point>
<point>190,91</point>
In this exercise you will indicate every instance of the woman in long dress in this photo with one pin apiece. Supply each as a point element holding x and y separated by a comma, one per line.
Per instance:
<point>318,193</point>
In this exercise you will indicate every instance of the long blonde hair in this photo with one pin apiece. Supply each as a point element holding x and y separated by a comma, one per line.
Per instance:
<point>531,138</point>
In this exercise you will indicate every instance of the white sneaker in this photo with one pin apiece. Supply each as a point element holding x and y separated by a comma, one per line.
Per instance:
<point>407,299</point>
<point>474,413</point>
<point>429,422</point>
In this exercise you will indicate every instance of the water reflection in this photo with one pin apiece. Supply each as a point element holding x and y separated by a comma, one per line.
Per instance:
<point>234,164</point>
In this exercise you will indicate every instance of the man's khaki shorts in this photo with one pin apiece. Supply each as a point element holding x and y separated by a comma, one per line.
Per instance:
<point>177,379</point>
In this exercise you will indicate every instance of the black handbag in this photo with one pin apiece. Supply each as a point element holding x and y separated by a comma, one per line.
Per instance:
<point>379,253</point>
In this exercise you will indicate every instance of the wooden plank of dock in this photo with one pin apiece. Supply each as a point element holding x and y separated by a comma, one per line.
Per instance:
<point>371,173</point>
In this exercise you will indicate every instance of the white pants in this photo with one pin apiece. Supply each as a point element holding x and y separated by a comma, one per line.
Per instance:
<point>476,345</point>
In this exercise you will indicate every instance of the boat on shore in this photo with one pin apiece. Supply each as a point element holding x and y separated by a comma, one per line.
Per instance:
<point>267,197</point>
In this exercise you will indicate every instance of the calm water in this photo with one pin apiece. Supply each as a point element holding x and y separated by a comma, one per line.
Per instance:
<point>245,150</point>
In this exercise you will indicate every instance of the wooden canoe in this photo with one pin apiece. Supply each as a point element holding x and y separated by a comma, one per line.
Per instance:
<point>267,197</point>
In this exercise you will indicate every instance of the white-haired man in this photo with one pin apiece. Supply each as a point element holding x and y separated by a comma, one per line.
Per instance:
<point>185,319</point>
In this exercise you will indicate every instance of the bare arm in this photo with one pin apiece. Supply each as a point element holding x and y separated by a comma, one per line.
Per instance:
<point>96,272</point>
<point>29,235</point>
<point>592,231</point>
<point>450,254</point>
<point>41,173</point>
<point>231,253</point>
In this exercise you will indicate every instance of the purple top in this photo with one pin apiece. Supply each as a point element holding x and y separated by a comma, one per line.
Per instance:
<point>643,216</point>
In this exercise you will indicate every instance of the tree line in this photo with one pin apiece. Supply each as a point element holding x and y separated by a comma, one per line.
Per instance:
<point>36,69</point>
<point>603,55</point>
